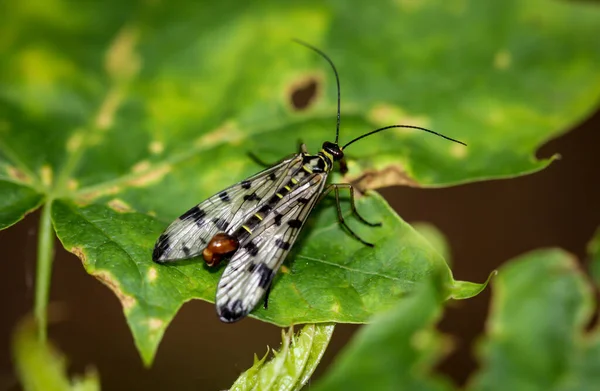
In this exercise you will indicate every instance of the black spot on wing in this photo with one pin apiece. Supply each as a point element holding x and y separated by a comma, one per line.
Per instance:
<point>196,214</point>
<point>246,184</point>
<point>224,196</point>
<point>272,176</point>
<point>232,313</point>
<point>252,222</point>
<point>278,218</point>
<point>241,234</point>
<point>251,197</point>
<point>266,275</point>
<point>160,248</point>
<point>221,224</point>
<point>282,244</point>
<point>303,200</point>
<point>295,223</point>
<point>186,250</point>
<point>251,248</point>
<point>265,209</point>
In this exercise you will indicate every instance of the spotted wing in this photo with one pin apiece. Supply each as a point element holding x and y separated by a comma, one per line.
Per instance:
<point>253,267</point>
<point>187,236</point>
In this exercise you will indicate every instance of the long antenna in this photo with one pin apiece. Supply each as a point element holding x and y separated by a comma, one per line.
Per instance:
<point>402,126</point>
<point>337,80</point>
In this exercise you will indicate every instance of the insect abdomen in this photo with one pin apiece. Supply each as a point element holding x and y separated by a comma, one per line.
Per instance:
<point>220,246</point>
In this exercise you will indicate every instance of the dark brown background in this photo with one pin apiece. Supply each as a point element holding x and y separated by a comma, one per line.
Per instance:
<point>486,224</point>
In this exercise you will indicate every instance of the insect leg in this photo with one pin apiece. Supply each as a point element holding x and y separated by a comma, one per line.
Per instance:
<point>261,162</point>
<point>258,160</point>
<point>341,217</point>
<point>325,192</point>
<point>266,304</point>
<point>353,204</point>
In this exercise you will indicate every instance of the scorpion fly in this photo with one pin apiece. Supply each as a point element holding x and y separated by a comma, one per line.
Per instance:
<point>254,223</point>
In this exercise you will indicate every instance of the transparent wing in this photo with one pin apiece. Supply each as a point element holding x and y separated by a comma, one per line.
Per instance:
<point>250,272</point>
<point>188,235</point>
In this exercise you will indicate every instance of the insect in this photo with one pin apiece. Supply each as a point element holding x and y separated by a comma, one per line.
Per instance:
<point>255,222</point>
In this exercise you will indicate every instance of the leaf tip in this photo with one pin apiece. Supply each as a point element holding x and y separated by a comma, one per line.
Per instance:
<point>465,290</point>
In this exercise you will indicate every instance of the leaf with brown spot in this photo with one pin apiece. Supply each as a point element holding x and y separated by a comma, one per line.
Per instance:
<point>388,176</point>
<point>119,205</point>
<point>78,252</point>
<point>109,280</point>
<point>17,175</point>
<point>304,92</point>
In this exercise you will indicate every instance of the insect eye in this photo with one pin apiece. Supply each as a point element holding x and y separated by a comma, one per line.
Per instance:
<point>333,149</point>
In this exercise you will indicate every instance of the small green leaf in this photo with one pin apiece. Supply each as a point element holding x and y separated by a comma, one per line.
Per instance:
<point>396,351</point>
<point>248,379</point>
<point>536,337</point>
<point>41,367</point>
<point>294,363</point>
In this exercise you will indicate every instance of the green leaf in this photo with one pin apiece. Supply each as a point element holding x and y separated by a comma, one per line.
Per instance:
<point>156,107</point>
<point>396,351</point>
<point>536,337</point>
<point>294,363</point>
<point>335,277</point>
<point>41,367</point>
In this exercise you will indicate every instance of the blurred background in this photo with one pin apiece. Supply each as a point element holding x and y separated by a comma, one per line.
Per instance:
<point>486,224</point>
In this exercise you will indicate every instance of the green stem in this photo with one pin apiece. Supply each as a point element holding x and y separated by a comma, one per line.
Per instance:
<point>45,253</point>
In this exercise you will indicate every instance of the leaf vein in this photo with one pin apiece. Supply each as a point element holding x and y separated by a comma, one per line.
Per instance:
<point>351,269</point>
